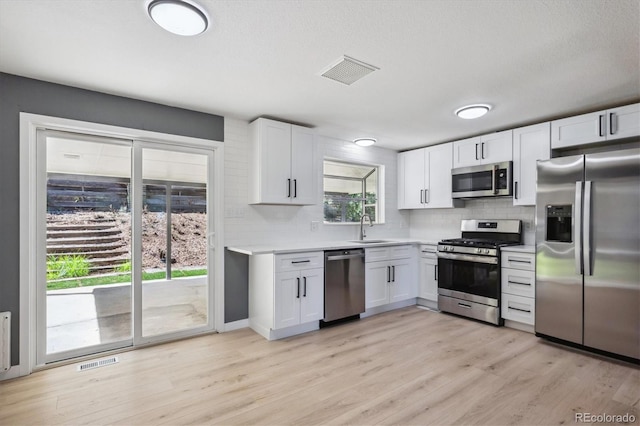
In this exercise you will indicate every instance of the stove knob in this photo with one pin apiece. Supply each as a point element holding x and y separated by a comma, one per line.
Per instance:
<point>478,250</point>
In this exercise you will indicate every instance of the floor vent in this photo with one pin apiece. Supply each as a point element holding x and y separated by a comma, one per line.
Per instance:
<point>99,363</point>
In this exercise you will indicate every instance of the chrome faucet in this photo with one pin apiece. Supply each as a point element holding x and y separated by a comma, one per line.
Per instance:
<point>362,234</point>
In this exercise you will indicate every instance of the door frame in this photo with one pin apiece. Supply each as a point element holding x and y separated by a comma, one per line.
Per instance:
<point>29,237</point>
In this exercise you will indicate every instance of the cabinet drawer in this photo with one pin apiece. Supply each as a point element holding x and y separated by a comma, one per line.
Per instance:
<point>517,308</point>
<point>524,261</point>
<point>375,254</point>
<point>297,261</point>
<point>518,282</point>
<point>428,251</point>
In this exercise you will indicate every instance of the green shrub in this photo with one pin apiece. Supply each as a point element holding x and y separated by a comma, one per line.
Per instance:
<point>67,266</point>
<point>124,267</point>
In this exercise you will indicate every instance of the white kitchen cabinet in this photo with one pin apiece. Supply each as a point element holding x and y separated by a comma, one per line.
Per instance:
<point>299,297</point>
<point>530,144</point>
<point>282,168</point>
<point>487,149</point>
<point>428,286</point>
<point>424,178</point>
<point>286,293</point>
<point>392,279</point>
<point>518,280</point>
<point>596,127</point>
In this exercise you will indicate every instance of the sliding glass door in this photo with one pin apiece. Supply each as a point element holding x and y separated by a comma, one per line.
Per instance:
<point>124,250</point>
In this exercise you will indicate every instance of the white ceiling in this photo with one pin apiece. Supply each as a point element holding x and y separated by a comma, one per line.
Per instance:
<point>532,60</point>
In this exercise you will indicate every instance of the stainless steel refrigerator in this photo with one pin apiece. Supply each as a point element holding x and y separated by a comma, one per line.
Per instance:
<point>588,251</point>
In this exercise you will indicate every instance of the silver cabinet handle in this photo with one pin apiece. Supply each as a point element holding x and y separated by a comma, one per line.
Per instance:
<point>518,260</point>
<point>304,294</point>
<point>295,188</point>
<point>516,282</point>
<point>477,151</point>
<point>482,151</point>
<point>301,261</point>
<point>288,188</point>
<point>515,190</point>
<point>393,269</point>
<point>298,294</point>
<point>612,129</point>
<point>426,196</point>
<point>600,125</point>
<point>518,309</point>
<point>421,196</point>
<point>388,274</point>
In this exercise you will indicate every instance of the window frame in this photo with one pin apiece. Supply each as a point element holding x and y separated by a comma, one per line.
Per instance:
<point>380,197</point>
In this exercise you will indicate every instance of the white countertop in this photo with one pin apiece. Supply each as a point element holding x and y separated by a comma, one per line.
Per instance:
<point>321,245</point>
<point>520,249</point>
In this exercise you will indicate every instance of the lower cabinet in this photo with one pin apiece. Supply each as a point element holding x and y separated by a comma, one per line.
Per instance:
<point>518,278</point>
<point>392,279</point>
<point>286,293</point>
<point>428,286</point>
<point>299,297</point>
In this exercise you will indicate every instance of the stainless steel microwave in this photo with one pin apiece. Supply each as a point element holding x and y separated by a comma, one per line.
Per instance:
<point>486,180</point>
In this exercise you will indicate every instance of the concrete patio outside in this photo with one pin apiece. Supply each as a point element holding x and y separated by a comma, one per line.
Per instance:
<point>87,316</point>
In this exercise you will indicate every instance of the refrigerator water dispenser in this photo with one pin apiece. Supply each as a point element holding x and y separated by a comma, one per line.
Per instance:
<point>559,220</point>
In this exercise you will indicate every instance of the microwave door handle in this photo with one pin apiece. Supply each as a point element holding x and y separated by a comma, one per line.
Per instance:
<point>494,179</point>
<point>577,228</point>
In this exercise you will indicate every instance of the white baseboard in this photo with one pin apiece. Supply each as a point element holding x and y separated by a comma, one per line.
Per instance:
<point>519,326</point>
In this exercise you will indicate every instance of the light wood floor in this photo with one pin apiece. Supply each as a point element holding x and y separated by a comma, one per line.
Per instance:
<point>408,366</point>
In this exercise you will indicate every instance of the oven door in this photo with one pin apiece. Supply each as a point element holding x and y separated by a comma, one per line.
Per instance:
<point>469,277</point>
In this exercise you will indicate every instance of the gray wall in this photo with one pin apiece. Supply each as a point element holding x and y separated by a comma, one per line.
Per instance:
<point>18,94</point>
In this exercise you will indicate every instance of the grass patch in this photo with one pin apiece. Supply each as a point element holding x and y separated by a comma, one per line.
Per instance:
<point>121,278</point>
<point>67,266</point>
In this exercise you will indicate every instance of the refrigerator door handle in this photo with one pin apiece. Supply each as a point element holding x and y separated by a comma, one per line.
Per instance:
<point>577,228</point>
<point>586,239</point>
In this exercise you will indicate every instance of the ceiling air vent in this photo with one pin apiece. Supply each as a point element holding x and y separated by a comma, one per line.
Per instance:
<point>348,70</point>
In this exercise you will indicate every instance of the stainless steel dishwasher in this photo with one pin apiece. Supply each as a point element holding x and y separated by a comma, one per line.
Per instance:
<point>343,284</point>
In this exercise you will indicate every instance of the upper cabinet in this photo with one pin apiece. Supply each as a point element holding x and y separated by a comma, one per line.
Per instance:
<point>487,149</point>
<point>530,144</point>
<point>606,125</point>
<point>282,168</point>
<point>424,178</point>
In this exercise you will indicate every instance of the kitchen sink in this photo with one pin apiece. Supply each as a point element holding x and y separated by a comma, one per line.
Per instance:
<point>368,241</point>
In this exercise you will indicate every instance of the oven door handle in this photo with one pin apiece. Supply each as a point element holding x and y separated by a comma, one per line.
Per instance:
<point>469,258</point>
<point>494,178</point>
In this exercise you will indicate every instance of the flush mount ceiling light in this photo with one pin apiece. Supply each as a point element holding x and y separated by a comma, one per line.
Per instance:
<point>473,111</point>
<point>364,141</point>
<point>180,17</point>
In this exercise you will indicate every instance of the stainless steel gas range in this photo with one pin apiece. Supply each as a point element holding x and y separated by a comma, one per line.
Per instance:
<point>469,268</point>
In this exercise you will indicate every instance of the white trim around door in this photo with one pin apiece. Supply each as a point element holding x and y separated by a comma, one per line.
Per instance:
<point>29,237</point>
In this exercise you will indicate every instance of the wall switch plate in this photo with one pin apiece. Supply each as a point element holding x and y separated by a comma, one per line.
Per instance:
<point>314,225</point>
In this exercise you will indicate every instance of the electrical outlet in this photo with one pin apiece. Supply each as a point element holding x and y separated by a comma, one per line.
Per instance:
<point>314,225</point>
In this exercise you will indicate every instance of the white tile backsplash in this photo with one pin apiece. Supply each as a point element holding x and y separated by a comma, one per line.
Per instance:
<point>265,224</point>
<point>436,224</point>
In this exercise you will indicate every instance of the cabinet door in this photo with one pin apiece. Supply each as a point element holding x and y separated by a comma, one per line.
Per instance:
<point>623,122</point>
<point>312,295</point>
<point>377,278</point>
<point>496,147</point>
<point>414,178</point>
<point>578,130</point>
<point>429,278</point>
<point>403,281</point>
<point>275,162</point>
<point>530,144</point>
<point>439,171</point>
<point>287,299</point>
<point>303,166</point>
<point>466,152</point>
